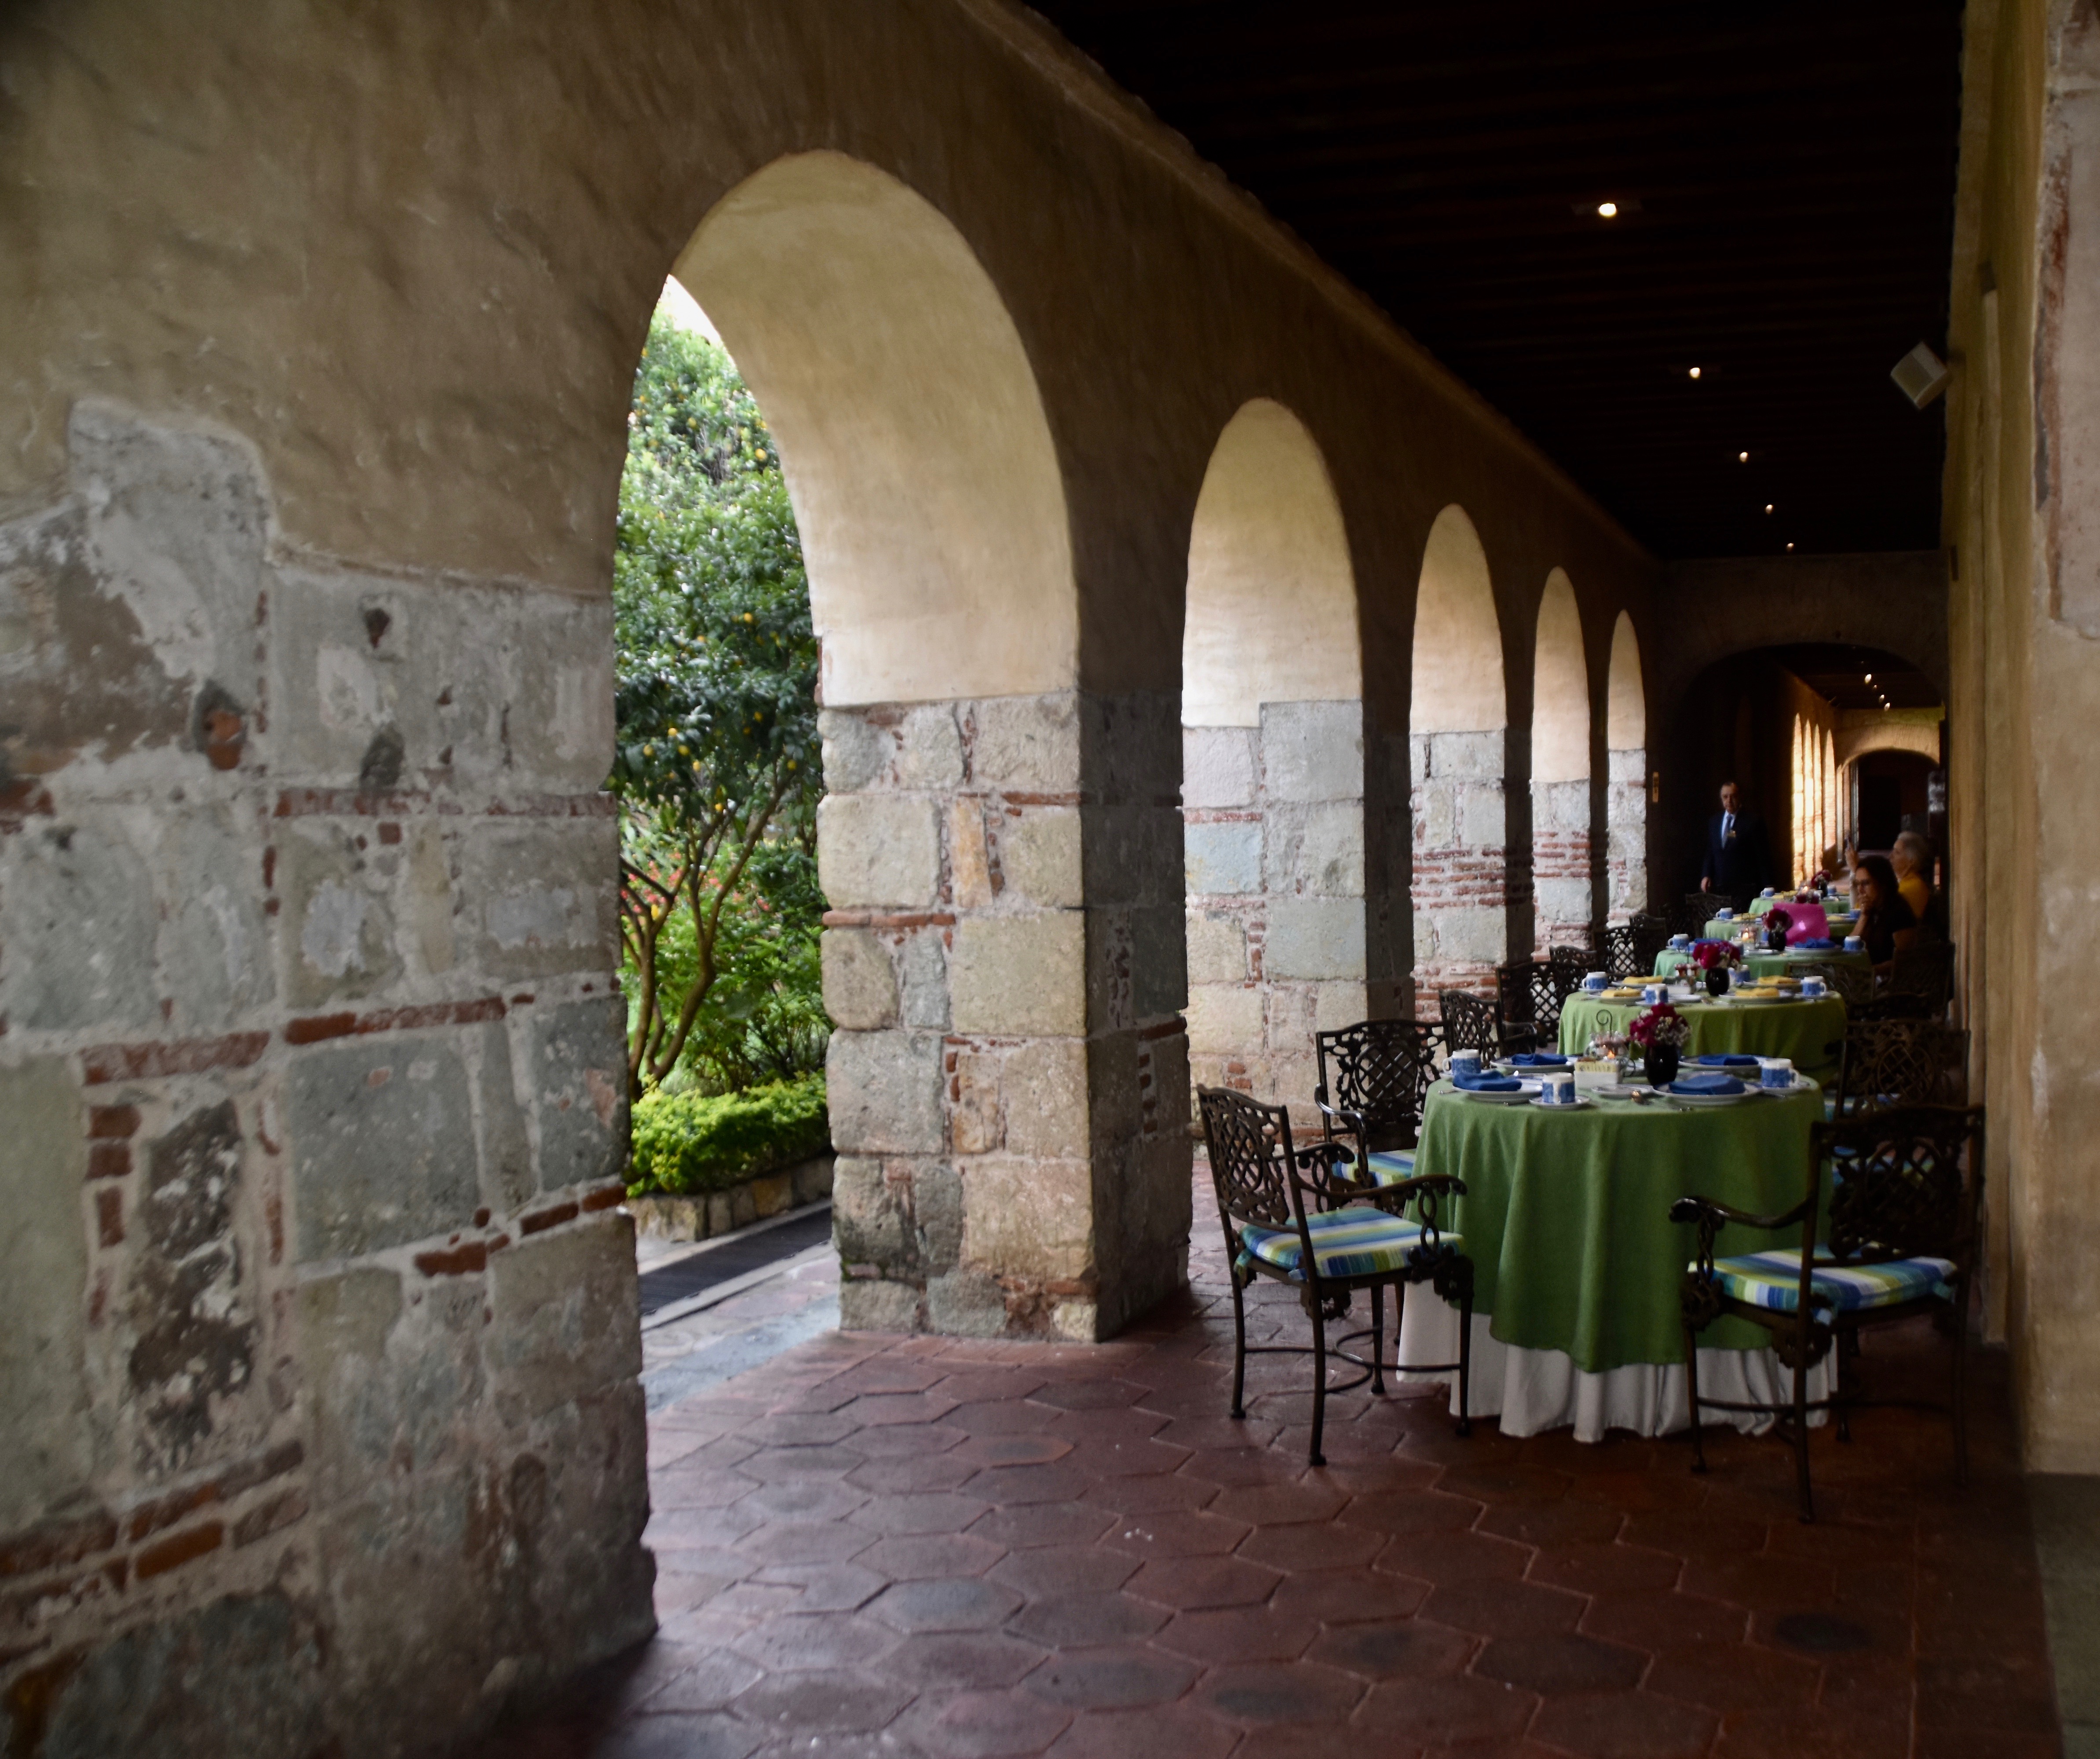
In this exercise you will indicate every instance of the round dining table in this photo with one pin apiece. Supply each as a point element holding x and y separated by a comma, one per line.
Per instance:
<point>1577,1266</point>
<point>1810,1033</point>
<point>1672,960</point>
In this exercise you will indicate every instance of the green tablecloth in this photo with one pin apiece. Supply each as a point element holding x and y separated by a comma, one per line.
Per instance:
<point>1768,964</point>
<point>1566,1215</point>
<point>1719,930</point>
<point>1812,1034</point>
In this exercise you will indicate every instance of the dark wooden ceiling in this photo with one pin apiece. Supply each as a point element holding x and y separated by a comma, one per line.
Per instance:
<point>1785,178</point>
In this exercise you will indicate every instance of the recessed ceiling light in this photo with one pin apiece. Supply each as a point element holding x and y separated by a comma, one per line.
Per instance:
<point>1790,546</point>
<point>1870,677</point>
<point>1695,373</point>
<point>1742,457</point>
<point>1608,210</point>
<point>1768,506</point>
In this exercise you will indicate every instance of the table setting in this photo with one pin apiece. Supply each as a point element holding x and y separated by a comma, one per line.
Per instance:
<point>1772,1016</point>
<point>1577,1266</point>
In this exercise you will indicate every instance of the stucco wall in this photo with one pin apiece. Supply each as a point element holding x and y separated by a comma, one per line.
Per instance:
<point>320,332</point>
<point>2022,417</point>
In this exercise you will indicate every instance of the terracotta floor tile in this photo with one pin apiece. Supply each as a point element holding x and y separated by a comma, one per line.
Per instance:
<point>1046,1523</point>
<point>705,1487</point>
<point>711,1680</point>
<point>701,1526</point>
<point>771,1465</point>
<point>1176,1533</point>
<point>955,1604</point>
<point>1565,1662</point>
<point>1656,1621</point>
<point>804,1500</point>
<point>1115,1423</point>
<point>1125,1459</point>
<point>1089,1394</point>
<point>1313,1545</point>
<point>1267,1693</point>
<point>992,1725</point>
<point>1406,1648</point>
<point>802,1640</point>
<point>1064,1569</point>
<point>1164,1731</point>
<point>1413,1511</point>
<point>1592,1569</point>
<point>930,1512</point>
<point>1694,1533</point>
<point>849,1700</point>
<point>1442,1712</point>
<point>988,1386</point>
<point>891,1440</point>
<point>1779,1585</point>
<point>915,1556</point>
<point>1563,1523</point>
<point>1761,1733</point>
<point>1233,1634</point>
<point>1624,1725</point>
<point>911,1474</point>
<point>1281,1505</point>
<point>961,1660</point>
<point>1503,1609</point>
<point>823,1587</point>
<point>1186,1584</point>
<point>799,1428</point>
<point>879,1408</point>
<point>1028,1447</point>
<point>805,1542</point>
<point>1671,1486</point>
<point>1443,1557</point>
<point>1060,1621</point>
<point>1118,1677</point>
<point>1344,1597</point>
<point>1151,1495</point>
<point>1058,1481</point>
<point>1002,1417</point>
<point>1734,1676</point>
<point>1506,1483</point>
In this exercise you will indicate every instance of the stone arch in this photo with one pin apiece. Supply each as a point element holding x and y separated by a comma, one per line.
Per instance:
<point>1625,804</point>
<point>1272,760</point>
<point>916,451</point>
<point>1561,898</point>
<point>934,526</point>
<point>1457,722</point>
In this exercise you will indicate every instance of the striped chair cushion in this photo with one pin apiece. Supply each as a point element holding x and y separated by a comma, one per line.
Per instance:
<point>1773,1280</point>
<point>1346,1243</point>
<point>1390,1169</point>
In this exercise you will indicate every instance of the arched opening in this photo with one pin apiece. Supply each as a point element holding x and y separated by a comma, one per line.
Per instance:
<point>1625,804</point>
<point>1564,905</point>
<point>1457,720</point>
<point>932,510</point>
<point>1273,761</point>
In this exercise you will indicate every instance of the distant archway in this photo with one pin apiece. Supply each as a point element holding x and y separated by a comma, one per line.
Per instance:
<point>1626,796</point>
<point>1458,723</point>
<point>1562,905</point>
<point>916,451</point>
<point>1273,761</point>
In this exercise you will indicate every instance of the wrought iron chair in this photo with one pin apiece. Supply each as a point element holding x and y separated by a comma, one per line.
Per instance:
<point>1902,1062</point>
<point>1698,909</point>
<point>1852,984</point>
<point>1373,1078</point>
<point>1926,972</point>
<point>1528,994</point>
<point>1901,1240</point>
<point>1291,1214</point>
<point>1571,964</point>
<point>1470,1024</point>
<point>1650,935</point>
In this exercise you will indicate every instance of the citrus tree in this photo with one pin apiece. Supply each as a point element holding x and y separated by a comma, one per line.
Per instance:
<point>715,769</point>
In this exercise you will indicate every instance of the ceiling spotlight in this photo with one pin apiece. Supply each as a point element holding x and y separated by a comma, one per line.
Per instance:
<point>1790,546</point>
<point>1695,373</point>
<point>1768,506</point>
<point>1608,210</point>
<point>1870,677</point>
<point>1742,457</point>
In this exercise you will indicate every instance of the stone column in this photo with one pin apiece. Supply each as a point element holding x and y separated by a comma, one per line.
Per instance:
<point>1560,864</point>
<point>1007,1075</point>
<point>1625,817</point>
<point>1273,829</point>
<point>1461,884</point>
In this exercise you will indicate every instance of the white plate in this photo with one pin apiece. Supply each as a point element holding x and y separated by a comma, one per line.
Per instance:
<point>1518,1098</point>
<point>1531,1070</point>
<point>1547,1106</point>
<point>1714,1099</point>
<point>1762,1001</point>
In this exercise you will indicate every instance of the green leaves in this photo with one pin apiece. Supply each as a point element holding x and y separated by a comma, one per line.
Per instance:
<point>717,766</point>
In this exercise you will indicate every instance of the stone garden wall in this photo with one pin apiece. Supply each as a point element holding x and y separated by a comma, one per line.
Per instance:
<point>1461,870</point>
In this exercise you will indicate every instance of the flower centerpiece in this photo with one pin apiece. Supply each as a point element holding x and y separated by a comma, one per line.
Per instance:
<point>1714,958</point>
<point>1661,1033</point>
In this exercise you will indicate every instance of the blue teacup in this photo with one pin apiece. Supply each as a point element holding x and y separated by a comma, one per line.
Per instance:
<point>1595,982</point>
<point>1854,944</point>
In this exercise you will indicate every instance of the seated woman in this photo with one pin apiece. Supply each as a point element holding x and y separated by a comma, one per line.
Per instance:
<point>1886,924</point>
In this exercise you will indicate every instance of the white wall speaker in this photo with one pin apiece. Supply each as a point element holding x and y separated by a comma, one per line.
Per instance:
<point>1920,375</point>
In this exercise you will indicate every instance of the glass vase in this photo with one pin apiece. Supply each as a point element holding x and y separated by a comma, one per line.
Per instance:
<point>1660,1065</point>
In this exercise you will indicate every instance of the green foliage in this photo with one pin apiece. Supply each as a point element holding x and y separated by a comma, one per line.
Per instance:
<point>687,1143</point>
<point>715,769</point>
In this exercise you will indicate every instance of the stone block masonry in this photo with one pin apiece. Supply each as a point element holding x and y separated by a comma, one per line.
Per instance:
<point>1010,1070</point>
<point>1560,878</point>
<point>1274,867</point>
<point>1625,820</point>
<point>313,1285</point>
<point>1461,881</point>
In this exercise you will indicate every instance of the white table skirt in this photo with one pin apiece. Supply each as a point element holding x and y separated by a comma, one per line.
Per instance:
<point>1531,1391</point>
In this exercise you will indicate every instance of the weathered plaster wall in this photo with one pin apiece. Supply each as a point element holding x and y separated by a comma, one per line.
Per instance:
<point>1626,783</point>
<point>321,333</point>
<point>2022,417</point>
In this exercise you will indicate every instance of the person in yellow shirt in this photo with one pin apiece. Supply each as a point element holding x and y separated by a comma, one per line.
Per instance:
<point>1911,858</point>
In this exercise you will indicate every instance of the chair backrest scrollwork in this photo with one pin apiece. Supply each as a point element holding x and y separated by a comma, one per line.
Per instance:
<point>1903,1062</point>
<point>1905,1182</point>
<point>1379,1071</point>
<point>1469,1023</point>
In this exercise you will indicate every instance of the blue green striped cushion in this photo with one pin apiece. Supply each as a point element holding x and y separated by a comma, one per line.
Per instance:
<point>1773,1280</point>
<point>1346,1242</point>
<point>1390,1169</point>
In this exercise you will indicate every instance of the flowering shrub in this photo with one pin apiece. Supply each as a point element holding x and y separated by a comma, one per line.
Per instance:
<point>1661,1026</point>
<point>1708,955</point>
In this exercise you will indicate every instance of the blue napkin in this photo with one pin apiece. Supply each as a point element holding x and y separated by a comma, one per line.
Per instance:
<point>1487,1083</point>
<point>1726,1060</point>
<point>1703,1086</point>
<point>1814,946</point>
<point>1538,1059</point>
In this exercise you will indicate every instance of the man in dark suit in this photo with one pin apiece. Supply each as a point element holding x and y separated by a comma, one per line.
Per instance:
<point>1738,860</point>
